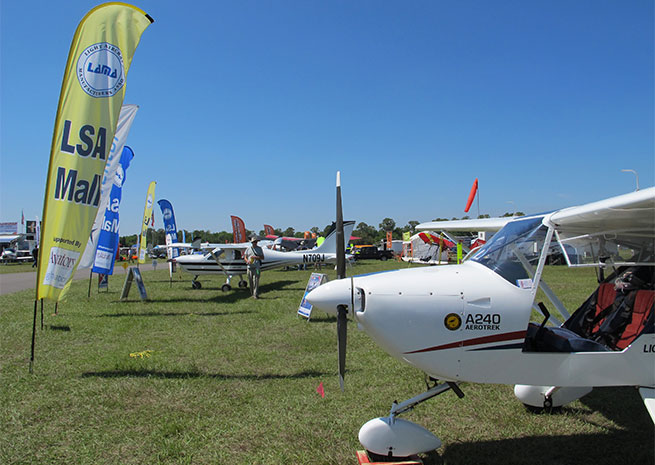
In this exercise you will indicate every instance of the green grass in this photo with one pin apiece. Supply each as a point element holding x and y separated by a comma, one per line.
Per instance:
<point>233,380</point>
<point>16,267</point>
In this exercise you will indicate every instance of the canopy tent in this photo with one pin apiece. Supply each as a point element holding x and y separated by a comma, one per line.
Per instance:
<point>424,247</point>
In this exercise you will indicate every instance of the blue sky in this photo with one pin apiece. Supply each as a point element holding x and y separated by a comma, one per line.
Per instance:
<point>250,107</point>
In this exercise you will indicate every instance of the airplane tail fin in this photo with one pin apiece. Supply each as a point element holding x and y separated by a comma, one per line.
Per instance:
<point>329,245</point>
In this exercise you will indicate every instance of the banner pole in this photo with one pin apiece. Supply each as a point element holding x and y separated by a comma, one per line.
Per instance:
<point>33,340</point>
<point>41,314</point>
<point>88,296</point>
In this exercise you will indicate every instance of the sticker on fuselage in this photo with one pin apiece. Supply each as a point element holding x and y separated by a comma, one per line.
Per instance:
<point>483,322</point>
<point>452,321</point>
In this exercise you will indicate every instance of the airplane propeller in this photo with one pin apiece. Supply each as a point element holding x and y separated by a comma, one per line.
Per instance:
<point>342,310</point>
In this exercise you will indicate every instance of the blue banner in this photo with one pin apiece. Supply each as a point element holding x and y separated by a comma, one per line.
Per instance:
<point>169,227</point>
<point>108,238</point>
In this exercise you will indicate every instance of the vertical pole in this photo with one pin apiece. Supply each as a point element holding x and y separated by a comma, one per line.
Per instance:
<point>41,314</point>
<point>90,278</point>
<point>33,339</point>
<point>478,200</point>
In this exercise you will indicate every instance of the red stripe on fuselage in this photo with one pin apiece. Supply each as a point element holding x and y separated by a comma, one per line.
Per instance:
<point>474,342</point>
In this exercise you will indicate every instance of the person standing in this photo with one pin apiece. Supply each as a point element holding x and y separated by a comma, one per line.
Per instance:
<point>253,257</point>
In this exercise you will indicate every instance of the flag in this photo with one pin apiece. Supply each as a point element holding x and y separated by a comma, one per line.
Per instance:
<point>169,227</point>
<point>474,190</point>
<point>38,232</point>
<point>22,217</point>
<point>389,239</point>
<point>407,236</point>
<point>107,242</point>
<point>92,93</point>
<point>238,229</point>
<point>268,230</point>
<point>125,119</point>
<point>320,390</point>
<point>147,214</point>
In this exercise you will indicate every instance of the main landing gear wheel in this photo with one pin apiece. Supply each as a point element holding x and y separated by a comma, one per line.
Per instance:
<point>196,284</point>
<point>243,284</point>
<point>226,287</point>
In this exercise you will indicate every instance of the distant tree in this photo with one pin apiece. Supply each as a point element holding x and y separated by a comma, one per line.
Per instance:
<point>289,232</point>
<point>411,226</point>
<point>128,241</point>
<point>315,230</point>
<point>484,215</point>
<point>387,224</point>
<point>367,233</point>
<point>442,219</point>
<point>326,229</point>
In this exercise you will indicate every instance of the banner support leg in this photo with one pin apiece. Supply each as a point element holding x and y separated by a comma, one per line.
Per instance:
<point>41,314</point>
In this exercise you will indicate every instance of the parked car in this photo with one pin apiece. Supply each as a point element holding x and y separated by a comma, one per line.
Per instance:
<point>372,252</point>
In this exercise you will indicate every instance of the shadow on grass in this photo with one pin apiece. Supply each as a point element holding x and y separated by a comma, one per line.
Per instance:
<point>142,314</point>
<point>59,327</point>
<point>613,447</point>
<point>197,374</point>
<point>630,442</point>
<point>623,405</point>
<point>235,295</point>
<point>323,318</point>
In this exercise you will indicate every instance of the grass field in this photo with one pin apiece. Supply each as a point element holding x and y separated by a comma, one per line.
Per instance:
<point>229,379</point>
<point>16,267</point>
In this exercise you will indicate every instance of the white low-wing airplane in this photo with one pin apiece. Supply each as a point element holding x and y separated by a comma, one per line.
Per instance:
<point>227,259</point>
<point>471,322</point>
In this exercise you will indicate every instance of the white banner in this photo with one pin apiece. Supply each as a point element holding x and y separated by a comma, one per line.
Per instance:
<point>127,114</point>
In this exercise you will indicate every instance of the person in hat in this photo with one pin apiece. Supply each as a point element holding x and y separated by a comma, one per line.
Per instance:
<point>253,257</point>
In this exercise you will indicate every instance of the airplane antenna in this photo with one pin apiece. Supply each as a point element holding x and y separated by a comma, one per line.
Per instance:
<point>636,176</point>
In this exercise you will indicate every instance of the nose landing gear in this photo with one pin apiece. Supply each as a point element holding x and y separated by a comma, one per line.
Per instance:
<point>394,437</point>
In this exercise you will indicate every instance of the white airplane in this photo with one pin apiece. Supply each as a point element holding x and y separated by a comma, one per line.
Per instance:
<point>471,322</point>
<point>227,259</point>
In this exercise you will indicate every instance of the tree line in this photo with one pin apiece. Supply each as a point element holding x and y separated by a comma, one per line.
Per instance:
<point>366,233</point>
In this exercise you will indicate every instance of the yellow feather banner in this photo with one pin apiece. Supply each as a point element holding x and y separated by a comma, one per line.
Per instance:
<point>92,93</point>
<point>147,214</point>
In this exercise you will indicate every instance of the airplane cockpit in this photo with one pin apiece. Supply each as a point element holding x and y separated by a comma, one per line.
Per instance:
<point>618,311</point>
<point>514,251</point>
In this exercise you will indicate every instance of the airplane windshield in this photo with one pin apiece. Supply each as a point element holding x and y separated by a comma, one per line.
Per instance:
<point>514,250</point>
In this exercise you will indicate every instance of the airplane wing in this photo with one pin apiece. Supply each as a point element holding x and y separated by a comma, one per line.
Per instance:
<point>480,224</point>
<point>241,246</point>
<point>627,219</point>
